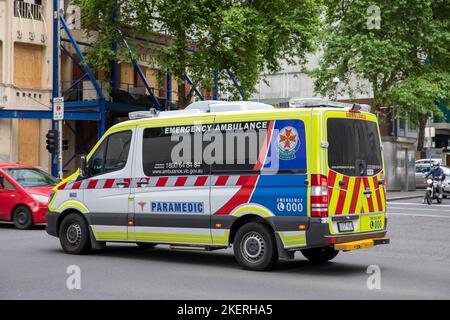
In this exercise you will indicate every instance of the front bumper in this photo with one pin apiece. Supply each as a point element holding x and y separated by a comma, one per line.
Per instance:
<point>39,214</point>
<point>52,223</point>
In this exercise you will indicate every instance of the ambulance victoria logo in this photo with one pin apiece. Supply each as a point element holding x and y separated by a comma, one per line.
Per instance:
<point>288,143</point>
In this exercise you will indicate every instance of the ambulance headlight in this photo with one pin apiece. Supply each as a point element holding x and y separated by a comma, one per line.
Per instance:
<point>40,198</point>
<point>429,181</point>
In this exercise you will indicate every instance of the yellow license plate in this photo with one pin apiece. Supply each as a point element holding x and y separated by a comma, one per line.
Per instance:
<point>372,222</point>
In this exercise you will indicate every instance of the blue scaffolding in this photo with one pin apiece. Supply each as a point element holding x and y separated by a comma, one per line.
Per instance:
<point>100,108</point>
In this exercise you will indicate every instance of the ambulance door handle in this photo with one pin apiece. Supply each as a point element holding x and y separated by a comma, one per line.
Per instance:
<point>140,183</point>
<point>306,182</point>
<point>122,184</point>
<point>380,182</point>
<point>341,183</point>
<point>367,192</point>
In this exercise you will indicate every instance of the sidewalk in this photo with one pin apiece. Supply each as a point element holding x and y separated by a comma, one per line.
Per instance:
<point>402,195</point>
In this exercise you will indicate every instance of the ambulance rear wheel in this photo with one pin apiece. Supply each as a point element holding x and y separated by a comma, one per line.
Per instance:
<point>255,247</point>
<point>320,255</point>
<point>74,234</point>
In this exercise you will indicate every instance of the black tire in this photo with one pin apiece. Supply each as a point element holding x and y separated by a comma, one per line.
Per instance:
<point>255,247</point>
<point>22,218</point>
<point>320,255</point>
<point>146,245</point>
<point>74,234</point>
<point>428,197</point>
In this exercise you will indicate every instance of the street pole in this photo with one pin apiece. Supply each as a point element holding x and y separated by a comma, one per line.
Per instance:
<point>57,79</point>
<point>431,143</point>
<point>60,122</point>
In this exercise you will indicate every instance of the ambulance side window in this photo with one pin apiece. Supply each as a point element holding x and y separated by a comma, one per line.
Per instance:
<point>111,155</point>
<point>165,151</point>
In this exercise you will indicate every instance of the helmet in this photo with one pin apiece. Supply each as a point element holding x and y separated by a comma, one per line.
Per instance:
<point>436,163</point>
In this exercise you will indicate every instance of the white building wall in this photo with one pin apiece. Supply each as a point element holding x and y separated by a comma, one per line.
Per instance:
<point>291,82</point>
<point>27,31</point>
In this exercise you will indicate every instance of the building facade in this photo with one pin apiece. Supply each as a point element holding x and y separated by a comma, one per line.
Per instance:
<point>25,78</point>
<point>26,73</point>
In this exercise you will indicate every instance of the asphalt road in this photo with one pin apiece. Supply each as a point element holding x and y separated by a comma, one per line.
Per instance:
<point>416,265</point>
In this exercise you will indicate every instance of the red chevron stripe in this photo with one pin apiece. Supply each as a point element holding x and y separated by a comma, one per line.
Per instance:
<point>342,196</point>
<point>377,191</point>
<point>370,199</point>
<point>181,181</point>
<point>200,181</point>
<point>331,180</point>
<point>242,196</point>
<point>162,181</point>
<point>221,181</point>
<point>76,185</point>
<point>108,183</point>
<point>61,187</point>
<point>355,196</point>
<point>92,184</point>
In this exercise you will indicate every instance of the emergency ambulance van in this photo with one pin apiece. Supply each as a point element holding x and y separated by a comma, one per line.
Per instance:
<point>268,182</point>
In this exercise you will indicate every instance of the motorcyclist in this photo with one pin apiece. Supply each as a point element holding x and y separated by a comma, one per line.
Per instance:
<point>437,174</point>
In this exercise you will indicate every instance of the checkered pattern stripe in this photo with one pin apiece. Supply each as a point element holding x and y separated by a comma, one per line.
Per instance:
<point>154,182</point>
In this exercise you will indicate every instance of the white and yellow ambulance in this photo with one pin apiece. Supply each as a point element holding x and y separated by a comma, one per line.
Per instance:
<point>266,181</point>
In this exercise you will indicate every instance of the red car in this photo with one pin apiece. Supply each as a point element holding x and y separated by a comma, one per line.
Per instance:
<point>24,193</point>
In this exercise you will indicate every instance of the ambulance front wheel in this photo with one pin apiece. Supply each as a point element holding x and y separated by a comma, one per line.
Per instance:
<point>74,234</point>
<point>255,247</point>
<point>320,255</point>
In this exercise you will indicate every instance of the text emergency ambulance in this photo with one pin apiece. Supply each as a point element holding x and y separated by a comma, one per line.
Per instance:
<point>268,181</point>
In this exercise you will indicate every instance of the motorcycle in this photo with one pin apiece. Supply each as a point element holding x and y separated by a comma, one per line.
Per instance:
<point>431,191</point>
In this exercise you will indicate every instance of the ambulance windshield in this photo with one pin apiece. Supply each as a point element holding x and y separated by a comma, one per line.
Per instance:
<point>354,147</point>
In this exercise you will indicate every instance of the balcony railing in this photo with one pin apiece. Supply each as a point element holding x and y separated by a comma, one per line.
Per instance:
<point>28,10</point>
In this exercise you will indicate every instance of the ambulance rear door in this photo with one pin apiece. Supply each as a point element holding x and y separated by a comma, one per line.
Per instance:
<point>355,172</point>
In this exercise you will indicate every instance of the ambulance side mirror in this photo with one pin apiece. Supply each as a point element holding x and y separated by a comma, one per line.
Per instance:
<point>83,167</point>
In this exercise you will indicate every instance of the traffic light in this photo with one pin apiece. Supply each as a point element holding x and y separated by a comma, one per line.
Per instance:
<point>52,140</point>
<point>65,144</point>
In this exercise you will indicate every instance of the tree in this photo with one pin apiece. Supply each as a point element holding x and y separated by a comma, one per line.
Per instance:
<point>207,38</point>
<point>401,43</point>
<point>417,98</point>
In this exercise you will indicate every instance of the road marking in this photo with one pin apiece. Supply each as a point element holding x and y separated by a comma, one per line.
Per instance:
<point>417,215</point>
<point>419,209</point>
<point>417,203</point>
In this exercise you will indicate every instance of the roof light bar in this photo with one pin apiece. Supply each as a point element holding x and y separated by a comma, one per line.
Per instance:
<point>152,113</point>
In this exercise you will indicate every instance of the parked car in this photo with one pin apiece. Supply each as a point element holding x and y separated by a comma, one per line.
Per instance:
<point>428,161</point>
<point>421,170</point>
<point>446,183</point>
<point>24,194</point>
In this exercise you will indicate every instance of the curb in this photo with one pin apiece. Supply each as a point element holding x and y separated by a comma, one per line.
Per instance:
<point>404,198</point>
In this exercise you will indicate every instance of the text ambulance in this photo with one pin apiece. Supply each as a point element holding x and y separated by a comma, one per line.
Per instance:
<point>268,181</point>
